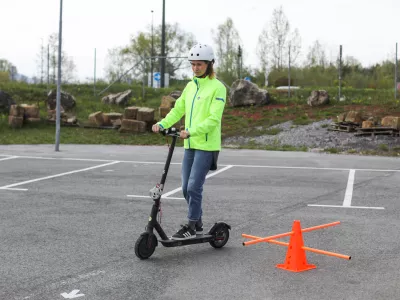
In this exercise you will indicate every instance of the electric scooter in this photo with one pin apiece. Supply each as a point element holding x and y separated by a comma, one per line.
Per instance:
<point>147,242</point>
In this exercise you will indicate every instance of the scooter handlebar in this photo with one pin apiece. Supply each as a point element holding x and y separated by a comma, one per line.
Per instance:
<point>172,131</point>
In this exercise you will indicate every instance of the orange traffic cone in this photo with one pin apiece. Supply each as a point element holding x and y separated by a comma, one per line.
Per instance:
<point>296,260</point>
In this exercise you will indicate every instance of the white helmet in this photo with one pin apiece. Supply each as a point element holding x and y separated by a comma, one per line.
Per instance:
<point>201,52</point>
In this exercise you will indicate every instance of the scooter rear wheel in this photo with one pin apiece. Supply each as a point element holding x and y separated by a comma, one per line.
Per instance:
<point>221,237</point>
<point>145,245</point>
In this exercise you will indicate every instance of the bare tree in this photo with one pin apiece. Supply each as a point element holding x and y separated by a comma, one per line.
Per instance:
<point>316,55</point>
<point>117,64</point>
<point>263,51</point>
<point>294,46</point>
<point>68,66</point>
<point>275,40</point>
<point>53,48</point>
<point>227,39</point>
<point>279,32</point>
<point>40,57</point>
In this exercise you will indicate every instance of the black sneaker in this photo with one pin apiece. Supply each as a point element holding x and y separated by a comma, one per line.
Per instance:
<point>199,229</point>
<point>184,233</point>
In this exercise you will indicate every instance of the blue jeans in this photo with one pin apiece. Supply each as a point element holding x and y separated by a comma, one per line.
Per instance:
<point>195,166</point>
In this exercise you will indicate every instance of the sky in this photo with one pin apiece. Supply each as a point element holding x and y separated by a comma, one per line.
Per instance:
<point>366,31</point>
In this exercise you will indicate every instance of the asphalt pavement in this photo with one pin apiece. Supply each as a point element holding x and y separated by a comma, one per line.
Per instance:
<point>69,221</point>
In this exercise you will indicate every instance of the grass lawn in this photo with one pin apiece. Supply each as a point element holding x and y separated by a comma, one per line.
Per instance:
<point>239,121</point>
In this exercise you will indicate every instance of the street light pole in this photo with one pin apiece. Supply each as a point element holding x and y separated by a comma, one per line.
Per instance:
<point>340,72</point>
<point>163,46</point>
<point>58,101</point>
<point>94,78</point>
<point>289,73</point>
<point>395,75</point>
<point>152,48</point>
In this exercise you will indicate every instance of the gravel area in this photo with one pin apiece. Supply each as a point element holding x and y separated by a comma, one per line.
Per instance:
<point>316,137</point>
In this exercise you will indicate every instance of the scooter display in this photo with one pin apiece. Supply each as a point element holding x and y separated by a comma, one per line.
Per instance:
<point>147,242</point>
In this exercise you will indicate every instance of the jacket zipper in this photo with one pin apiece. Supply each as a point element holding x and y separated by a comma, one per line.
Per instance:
<point>206,137</point>
<point>191,110</point>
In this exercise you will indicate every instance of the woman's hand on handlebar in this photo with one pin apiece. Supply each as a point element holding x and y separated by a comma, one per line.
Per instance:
<point>184,134</point>
<point>156,128</point>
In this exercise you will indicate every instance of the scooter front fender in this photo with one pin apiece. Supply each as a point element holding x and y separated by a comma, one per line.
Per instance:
<point>217,226</point>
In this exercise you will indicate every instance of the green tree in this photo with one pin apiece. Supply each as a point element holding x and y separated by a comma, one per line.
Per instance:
<point>227,39</point>
<point>138,52</point>
<point>5,65</point>
<point>4,76</point>
<point>8,69</point>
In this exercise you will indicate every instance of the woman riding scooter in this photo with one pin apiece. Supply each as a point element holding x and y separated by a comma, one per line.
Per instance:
<point>202,102</point>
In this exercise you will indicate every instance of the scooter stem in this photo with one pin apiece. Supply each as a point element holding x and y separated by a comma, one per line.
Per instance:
<point>168,162</point>
<point>153,224</point>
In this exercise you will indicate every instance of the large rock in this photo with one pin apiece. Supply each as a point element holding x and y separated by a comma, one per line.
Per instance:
<point>97,118</point>
<point>67,100</point>
<point>245,93</point>
<point>175,94</point>
<point>134,126</point>
<point>367,124</point>
<point>112,118</point>
<point>341,117</point>
<point>391,121</point>
<point>167,102</point>
<point>5,102</point>
<point>30,111</point>
<point>131,112</point>
<point>52,116</point>
<point>163,111</point>
<point>145,114</point>
<point>16,111</point>
<point>318,97</point>
<point>354,117</point>
<point>120,98</point>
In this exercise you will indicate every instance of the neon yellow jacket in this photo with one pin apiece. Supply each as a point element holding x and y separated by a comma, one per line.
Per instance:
<point>202,102</point>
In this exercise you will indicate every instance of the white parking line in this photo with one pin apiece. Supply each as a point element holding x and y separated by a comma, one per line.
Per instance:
<point>208,176</point>
<point>7,158</point>
<point>97,160</point>
<point>317,168</point>
<point>346,202</point>
<point>233,165</point>
<point>166,195</point>
<point>348,195</point>
<point>57,175</point>
<point>349,189</point>
<point>342,206</point>
<point>13,189</point>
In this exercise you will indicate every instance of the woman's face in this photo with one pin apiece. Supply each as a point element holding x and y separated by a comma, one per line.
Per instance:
<point>199,67</point>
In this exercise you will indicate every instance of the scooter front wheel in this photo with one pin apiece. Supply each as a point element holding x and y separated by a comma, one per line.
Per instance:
<point>145,245</point>
<point>221,236</point>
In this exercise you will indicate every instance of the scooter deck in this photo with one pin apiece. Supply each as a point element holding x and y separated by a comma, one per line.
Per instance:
<point>203,238</point>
